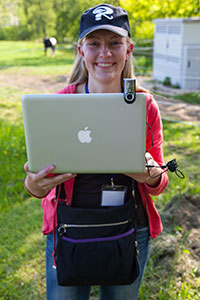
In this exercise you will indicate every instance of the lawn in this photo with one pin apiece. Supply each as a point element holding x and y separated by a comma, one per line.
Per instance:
<point>192,98</point>
<point>24,69</point>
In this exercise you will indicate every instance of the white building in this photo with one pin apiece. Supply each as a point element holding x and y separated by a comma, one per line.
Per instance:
<point>176,53</point>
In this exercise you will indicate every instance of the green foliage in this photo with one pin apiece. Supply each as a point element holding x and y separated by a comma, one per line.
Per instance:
<point>67,20</point>
<point>40,17</point>
<point>14,33</point>
<point>61,17</point>
<point>142,12</point>
<point>145,30</point>
<point>167,81</point>
<point>69,14</point>
<point>44,18</point>
<point>142,64</point>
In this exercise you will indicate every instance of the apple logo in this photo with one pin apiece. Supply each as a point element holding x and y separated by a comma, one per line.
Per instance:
<point>84,135</point>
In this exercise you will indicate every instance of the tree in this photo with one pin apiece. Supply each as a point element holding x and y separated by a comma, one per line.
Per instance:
<point>142,12</point>
<point>69,14</point>
<point>40,17</point>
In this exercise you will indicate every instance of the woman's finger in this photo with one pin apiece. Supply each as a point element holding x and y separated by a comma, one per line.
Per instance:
<point>58,179</point>
<point>44,172</point>
<point>26,168</point>
<point>148,157</point>
<point>51,182</point>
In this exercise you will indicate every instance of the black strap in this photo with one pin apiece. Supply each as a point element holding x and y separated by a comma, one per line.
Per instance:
<point>61,194</point>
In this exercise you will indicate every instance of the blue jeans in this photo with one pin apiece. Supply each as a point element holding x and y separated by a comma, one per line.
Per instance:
<point>116,292</point>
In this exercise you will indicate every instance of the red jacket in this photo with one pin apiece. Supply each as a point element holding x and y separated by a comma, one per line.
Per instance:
<point>154,120</point>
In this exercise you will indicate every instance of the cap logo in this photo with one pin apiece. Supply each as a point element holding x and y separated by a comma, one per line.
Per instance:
<point>103,11</point>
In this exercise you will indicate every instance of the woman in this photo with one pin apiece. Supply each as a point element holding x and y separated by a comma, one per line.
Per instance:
<point>103,60</point>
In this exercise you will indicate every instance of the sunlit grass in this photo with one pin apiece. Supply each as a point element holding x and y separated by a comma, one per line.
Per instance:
<point>10,103</point>
<point>22,252</point>
<point>12,158</point>
<point>182,142</point>
<point>29,54</point>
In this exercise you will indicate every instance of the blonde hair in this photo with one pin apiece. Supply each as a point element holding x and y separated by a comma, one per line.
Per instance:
<point>79,72</point>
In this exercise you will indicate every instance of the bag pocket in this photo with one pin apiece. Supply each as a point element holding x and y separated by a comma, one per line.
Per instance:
<point>97,253</point>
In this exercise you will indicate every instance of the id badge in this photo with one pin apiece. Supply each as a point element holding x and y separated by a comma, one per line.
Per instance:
<point>113,196</point>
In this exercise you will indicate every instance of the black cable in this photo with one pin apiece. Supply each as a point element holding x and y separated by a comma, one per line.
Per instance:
<point>152,145</point>
<point>172,166</point>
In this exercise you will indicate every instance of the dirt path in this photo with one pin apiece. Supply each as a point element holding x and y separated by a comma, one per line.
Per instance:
<point>178,110</point>
<point>169,107</point>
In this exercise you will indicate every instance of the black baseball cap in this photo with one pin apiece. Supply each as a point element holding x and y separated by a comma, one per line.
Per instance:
<point>105,16</point>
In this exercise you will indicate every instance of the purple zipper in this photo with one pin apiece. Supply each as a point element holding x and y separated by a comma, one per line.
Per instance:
<point>103,239</point>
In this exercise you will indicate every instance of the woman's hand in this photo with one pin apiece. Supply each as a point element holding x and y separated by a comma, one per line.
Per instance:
<point>39,184</point>
<point>148,173</point>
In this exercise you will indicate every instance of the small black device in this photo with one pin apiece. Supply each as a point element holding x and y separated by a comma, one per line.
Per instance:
<point>172,166</point>
<point>129,90</point>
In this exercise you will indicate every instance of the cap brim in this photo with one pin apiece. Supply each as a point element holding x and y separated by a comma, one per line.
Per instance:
<point>118,30</point>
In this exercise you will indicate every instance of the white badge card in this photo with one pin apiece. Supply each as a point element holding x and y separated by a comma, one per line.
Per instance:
<point>113,196</point>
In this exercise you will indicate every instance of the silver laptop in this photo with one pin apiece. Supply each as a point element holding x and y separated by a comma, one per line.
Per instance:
<point>85,133</point>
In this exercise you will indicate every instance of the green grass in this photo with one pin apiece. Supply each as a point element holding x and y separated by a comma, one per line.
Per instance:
<point>191,98</point>
<point>181,141</point>
<point>30,57</point>
<point>22,252</point>
<point>22,246</point>
<point>12,157</point>
<point>30,54</point>
<point>163,282</point>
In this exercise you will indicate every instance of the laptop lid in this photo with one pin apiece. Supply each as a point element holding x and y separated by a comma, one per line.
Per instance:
<point>85,133</point>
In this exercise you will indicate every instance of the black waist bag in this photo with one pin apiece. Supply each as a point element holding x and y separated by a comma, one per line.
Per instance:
<point>96,246</point>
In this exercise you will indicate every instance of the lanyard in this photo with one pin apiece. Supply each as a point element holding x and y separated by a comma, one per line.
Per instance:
<point>112,180</point>
<point>86,88</point>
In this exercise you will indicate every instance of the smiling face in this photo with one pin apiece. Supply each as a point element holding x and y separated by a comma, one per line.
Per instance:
<point>105,54</point>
